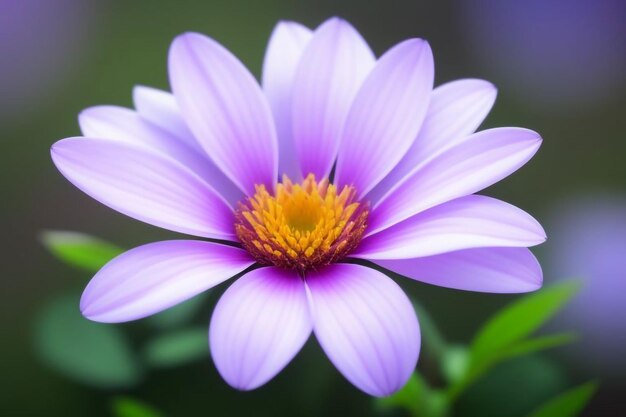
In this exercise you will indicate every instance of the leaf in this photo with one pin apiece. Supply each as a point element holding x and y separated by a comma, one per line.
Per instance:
<point>179,314</point>
<point>503,337</point>
<point>177,348</point>
<point>79,250</point>
<point>536,344</point>
<point>514,388</point>
<point>417,398</point>
<point>408,398</point>
<point>521,348</point>
<point>130,407</point>
<point>567,404</point>
<point>518,320</point>
<point>91,353</point>
<point>455,363</point>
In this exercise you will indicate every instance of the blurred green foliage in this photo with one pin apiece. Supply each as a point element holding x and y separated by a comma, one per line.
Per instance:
<point>100,355</point>
<point>179,314</point>
<point>92,353</point>
<point>130,407</point>
<point>178,347</point>
<point>79,250</point>
<point>505,336</point>
<point>568,404</point>
<point>126,44</point>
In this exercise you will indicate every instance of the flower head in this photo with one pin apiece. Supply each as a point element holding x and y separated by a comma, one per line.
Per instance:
<point>303,227</point>
<point>338,157</point>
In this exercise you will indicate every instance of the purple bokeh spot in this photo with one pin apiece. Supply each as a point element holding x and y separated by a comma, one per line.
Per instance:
<point>40,44</point>
<point>554,52</point>
<point>588,242</point>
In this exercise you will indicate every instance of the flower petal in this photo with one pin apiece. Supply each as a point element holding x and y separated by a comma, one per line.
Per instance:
<point>283,54</point>
<point>456,110</point>
<point>226,110</point>
<point>119,123</point>
<point>153,277</point>
<point>160,108</point>
<point>366,325</point>
<point>332,68</point>
<point>145,185</point>
<point>477,162</point>
<point>468,222</point>
<point>495,270</point>
<point>258,326</point>
<point>386,116</point>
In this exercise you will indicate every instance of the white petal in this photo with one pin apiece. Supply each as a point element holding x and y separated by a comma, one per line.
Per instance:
<point>160,108</point>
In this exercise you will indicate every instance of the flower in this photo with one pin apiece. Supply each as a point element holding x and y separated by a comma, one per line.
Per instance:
<point>374,165</point>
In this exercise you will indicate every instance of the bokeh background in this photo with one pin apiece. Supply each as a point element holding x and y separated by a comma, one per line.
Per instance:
<point>560,67</point>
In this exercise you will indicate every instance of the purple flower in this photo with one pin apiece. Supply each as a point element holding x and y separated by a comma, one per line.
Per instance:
<point>206,161</point>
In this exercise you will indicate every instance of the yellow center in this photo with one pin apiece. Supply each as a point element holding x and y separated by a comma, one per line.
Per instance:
<point>302,226</point>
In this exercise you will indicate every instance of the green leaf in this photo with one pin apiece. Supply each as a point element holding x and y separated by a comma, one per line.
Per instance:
<point>536,344</point>
<point>408,398</point>
<point>518,320</point>
<point>504,336</point>
<point>567,404</point>
<point>455,363</point>
<point>476,370</point>
<point>417,398</point>
<point>514,388</point>
<point>177,348</point>
<point>130,407</point>
<point>79,250</point>
<point>91,353</point>
<point>179,314</point>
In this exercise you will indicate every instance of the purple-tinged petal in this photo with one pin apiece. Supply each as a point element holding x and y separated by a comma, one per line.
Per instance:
<point>386,115</point>
<point>495,270</point>
<point>260,323</point>
<point>119,123</point>
<point>332,68</point>
<point>153,277</point>
<point>226,110</point>
<point>473,221</point>
<point>456,110</point>
<point>144,184</point>
<point>366,325</point>
<point>160,108</point>
<point>283,53</point>
<point>475,163</point>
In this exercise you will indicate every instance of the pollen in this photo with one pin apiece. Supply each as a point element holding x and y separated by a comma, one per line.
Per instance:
<point>301,226</point>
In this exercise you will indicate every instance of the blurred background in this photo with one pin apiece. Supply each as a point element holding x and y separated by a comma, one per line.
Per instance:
<point>560,69</point>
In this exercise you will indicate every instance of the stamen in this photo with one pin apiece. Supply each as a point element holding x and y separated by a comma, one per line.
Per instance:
<point>303,226</point>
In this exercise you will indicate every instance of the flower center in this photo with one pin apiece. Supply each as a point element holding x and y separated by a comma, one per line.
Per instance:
<point>303,226</point>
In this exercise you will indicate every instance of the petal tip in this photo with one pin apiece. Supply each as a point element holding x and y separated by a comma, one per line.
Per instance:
<point>138,90</point>
<point>334,20</point>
